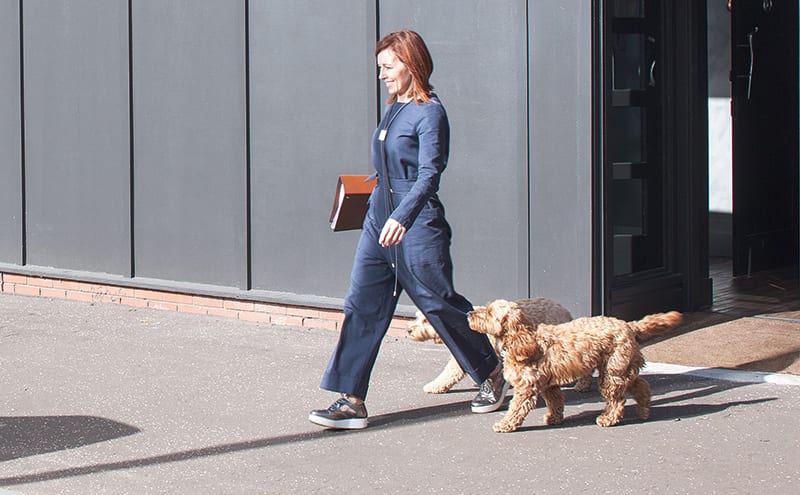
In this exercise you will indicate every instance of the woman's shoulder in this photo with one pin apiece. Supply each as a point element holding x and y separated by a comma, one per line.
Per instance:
<point>434,101</point>
<point>432,108</point>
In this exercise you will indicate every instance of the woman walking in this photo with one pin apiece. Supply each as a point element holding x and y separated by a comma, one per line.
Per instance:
<point>405,244</point>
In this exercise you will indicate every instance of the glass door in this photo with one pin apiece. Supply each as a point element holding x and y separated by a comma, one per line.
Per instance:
<point>635,211</point>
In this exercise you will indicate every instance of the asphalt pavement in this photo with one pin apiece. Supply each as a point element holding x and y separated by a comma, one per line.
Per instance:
<point>110,399</point>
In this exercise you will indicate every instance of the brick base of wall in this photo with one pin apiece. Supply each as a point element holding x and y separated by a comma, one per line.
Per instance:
<point>256,311</point>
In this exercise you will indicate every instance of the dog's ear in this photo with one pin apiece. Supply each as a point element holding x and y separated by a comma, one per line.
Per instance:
<point>520,338</point>
<point>511,316</point>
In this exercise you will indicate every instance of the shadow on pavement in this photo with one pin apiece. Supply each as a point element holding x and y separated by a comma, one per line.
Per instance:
<point>376,422</point>
<point>27,436</point>
<point>664,409</point>
<point>777,362</point>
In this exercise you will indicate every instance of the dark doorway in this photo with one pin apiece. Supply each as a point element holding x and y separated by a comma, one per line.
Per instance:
<point>654,157</point>
<point>764,91</point>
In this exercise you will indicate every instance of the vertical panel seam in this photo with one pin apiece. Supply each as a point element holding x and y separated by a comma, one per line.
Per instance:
<point>23,196</point>
<point>378,105</point>
<point>131,157</point>
<point>248,161</point>
<point>529,257</point>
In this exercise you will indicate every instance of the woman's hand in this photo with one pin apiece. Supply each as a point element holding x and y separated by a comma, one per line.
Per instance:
<point>392,233</point>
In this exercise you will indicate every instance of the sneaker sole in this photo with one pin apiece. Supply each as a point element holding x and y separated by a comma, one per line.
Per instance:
<point>340,424</point>
<point>493,407</point>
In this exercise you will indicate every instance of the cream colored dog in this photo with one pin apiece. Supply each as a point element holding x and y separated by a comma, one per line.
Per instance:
<point>539,309</point>
<point>541,357</point>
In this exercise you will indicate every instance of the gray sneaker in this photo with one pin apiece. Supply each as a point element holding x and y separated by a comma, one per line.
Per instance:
<point>342,415</point>
<point>491,395</point>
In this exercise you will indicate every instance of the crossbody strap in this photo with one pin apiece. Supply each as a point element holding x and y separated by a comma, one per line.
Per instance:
<point>387,185</point>
<point>387,189</point>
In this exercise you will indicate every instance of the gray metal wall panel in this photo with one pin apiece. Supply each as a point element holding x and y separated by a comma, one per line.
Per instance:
<point>561,152</point>
<point>313,109</point>
<point>10,136</point>
<point>76,134</point>
<point>313,105</point>
<point>479,50</point>
<point>190,208</point>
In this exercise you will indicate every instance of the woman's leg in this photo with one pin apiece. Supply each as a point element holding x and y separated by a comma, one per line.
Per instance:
<point>427,278</point>
<point>368,310</point>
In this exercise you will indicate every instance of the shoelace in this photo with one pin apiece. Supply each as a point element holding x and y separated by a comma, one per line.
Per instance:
<point>487,387</point>
<point>342,401</point>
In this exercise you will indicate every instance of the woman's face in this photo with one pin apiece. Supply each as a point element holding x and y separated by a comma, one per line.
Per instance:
<point>395,75</point>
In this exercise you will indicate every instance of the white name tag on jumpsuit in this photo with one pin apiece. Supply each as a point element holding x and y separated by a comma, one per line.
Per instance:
<point>382,135</point>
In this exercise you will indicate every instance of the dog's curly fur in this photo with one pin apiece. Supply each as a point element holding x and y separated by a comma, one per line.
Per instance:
<point>541,357</point>
<point>540,310</point>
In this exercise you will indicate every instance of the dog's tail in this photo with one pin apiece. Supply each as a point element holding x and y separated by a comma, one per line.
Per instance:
<point>655,324</point>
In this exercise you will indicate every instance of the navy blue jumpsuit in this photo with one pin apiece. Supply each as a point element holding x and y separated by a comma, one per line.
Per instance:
<point>416,147</point>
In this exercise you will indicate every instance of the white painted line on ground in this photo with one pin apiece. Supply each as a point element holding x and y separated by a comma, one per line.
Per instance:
<point>722,374</point>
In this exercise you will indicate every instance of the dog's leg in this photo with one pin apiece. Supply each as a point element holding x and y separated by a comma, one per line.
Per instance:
<point>554,398</point>
<point>450,375</point>
<point>522,403</point>
<point>640,391</point>
<point>584,383</point>
<point>613,391</point>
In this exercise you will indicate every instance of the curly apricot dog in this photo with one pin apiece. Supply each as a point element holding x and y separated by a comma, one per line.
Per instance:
<point>540,309</point>
<point>541,357</point>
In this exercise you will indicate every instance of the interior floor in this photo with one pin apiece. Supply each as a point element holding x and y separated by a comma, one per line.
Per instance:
<point>772,292</point>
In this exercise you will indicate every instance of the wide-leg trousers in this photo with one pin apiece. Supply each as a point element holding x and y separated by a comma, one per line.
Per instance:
<point>420,265</point>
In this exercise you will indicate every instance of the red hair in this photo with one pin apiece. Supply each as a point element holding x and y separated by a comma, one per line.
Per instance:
<point>411,50</point>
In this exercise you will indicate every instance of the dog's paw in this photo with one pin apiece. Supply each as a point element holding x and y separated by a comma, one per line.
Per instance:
<point>553,419</point>
<point>504,427</point>
<point>606,421</point>
<point>435,387</point>
<point>584,384</point>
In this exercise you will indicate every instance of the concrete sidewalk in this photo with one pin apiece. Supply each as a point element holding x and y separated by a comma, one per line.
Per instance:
<point>111,399</point>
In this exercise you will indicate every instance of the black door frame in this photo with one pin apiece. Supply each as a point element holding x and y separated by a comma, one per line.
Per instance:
<point>764,87</point>
<point>682,282</point>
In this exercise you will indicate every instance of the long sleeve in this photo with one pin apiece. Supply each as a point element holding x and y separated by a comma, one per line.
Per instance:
<point>417,147</point>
